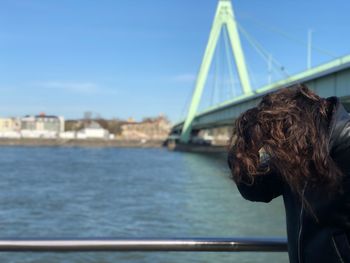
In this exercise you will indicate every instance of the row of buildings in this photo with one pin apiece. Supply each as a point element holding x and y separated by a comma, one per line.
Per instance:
<point>53,127</point>
<point>40,126</point>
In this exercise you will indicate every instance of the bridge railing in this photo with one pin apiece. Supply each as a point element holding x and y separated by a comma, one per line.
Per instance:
<point>213,244</point>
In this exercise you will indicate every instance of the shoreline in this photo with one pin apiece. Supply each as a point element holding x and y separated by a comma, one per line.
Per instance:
<point>215,149</point>
<point>34,142</point>
<point>118,143</point>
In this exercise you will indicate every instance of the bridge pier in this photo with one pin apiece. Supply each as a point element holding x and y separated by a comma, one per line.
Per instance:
<point>224,19</point>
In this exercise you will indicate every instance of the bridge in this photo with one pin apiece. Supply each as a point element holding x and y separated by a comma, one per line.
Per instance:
<point>329,79</point>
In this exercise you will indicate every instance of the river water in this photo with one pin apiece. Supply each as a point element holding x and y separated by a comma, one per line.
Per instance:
<point>126,193</point>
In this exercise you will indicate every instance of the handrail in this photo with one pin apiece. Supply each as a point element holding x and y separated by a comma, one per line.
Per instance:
<point>144,244</point>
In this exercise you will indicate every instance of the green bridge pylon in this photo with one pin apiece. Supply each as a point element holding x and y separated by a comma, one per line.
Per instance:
<point>224,17</point>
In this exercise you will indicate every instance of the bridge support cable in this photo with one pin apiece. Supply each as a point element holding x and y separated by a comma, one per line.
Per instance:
<point>229,65</point>
<point>216,80</point>
<point>220,85</point>
<point>268,58</point>
<point>282,33</point>
<point>224,17</point>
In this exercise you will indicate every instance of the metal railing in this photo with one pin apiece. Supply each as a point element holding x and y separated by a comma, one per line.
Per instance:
<point>145,245</point>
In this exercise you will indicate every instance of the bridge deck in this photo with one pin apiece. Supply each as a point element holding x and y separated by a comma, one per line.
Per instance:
<point>329,79</point>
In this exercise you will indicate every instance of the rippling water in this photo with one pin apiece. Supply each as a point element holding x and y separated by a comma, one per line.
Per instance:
<point>87,192</point>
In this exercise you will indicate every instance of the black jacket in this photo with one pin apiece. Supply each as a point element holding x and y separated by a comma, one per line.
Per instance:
<point>323,236</point>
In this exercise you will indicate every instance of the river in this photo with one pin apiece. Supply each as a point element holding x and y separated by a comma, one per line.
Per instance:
<point>126,193</point>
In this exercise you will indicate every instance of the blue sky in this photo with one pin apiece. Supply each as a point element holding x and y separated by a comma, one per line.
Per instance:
<point>139,58</point>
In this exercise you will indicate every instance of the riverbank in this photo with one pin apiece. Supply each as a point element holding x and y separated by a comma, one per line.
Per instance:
<point>117,143</point>
<point>199,148</point>
<point>82,143</point>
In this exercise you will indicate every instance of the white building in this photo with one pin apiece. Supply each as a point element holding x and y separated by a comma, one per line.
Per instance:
<point>68,135</point>
<point>93,131</point>
<point>42,126</point>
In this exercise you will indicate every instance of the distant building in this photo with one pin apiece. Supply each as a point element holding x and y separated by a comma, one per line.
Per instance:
<point>42,126</point>
<point>149,129</point>
<point>93,130</point>
<point>9,124</point>
<point>10,128</point>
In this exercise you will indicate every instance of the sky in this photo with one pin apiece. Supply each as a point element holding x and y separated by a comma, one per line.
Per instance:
<point>140,58</point>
